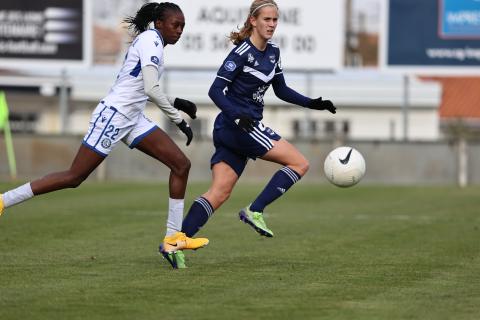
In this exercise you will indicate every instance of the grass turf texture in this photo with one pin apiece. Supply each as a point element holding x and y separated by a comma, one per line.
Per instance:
<point>359,253</point>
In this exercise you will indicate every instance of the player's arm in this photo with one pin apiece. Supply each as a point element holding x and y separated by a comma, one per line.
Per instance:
<point>155,94</point>
<point>216,93</point>
<point>165,102</point>
<point>285,93</point>
<point>226,74</point>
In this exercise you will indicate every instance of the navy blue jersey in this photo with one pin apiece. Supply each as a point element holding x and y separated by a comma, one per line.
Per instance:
<point>249,73</point>
<point>246,74</point>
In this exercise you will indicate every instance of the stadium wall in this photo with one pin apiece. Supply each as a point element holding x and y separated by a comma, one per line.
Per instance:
<point>388,162</point>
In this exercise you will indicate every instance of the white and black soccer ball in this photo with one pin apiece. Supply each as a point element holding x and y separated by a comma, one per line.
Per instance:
<point>344,166</point>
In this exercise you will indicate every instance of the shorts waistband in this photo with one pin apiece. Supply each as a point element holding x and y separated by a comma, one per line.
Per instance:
<point>110,107</point>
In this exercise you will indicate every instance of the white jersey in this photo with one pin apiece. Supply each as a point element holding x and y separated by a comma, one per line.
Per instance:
<point>127,94</point>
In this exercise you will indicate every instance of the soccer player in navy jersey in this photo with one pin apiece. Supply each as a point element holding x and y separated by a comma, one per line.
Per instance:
<point>120,117</point>
<point>238,135</point>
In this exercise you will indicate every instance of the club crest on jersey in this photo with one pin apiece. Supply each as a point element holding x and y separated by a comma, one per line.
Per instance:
<point>155,60</point>
<point>272,59</point>
<point>106,143</point>
<point>230,66</point>
<point>250,58</point>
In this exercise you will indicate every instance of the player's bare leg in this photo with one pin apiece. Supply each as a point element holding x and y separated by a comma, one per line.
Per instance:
<point>83,164</point>
<point>224,179</point>
<point>286,154</point>
<point>161,147</point>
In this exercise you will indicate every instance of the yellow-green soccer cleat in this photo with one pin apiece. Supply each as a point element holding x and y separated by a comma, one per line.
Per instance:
<point>255,220</point>
<point>176,259</point>
<point>1,204</point>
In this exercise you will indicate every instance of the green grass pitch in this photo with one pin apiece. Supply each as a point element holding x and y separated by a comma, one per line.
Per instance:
<point>368,252</point>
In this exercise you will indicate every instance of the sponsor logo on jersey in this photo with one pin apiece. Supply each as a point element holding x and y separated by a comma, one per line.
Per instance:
<point>230,65</point>
<point>258,96</point>
<point>104,119</point>
<point>106,143</point>
<point>155,60</point>
<point>156,43</point>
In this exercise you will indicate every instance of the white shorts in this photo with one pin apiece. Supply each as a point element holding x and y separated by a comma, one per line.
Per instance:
<point>108,126</point>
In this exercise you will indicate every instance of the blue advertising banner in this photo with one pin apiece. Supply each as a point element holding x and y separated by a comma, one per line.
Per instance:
<point>460,19</point>
<point>432,34</point>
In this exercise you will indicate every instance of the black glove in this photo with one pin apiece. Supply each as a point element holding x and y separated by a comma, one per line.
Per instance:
<point>319,104</point>
<point>246,123</point>
<point>186,106</point>
<point>185,128</point>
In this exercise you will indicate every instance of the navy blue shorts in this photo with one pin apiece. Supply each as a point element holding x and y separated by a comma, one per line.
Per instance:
<point>235,146</point>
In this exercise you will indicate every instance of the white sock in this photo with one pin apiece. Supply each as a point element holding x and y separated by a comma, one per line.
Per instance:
<point>15,196</point>
<point>175,216</point>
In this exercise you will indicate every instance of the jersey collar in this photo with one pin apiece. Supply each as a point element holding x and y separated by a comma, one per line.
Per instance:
<point>160,35</point>
<point>255,48</point>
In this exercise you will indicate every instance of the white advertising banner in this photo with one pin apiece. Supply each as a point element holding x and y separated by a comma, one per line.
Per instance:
<point>310,33</point>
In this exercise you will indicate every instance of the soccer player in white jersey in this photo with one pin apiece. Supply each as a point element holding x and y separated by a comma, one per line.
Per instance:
<point>120,117</point>
<point>239,135</point>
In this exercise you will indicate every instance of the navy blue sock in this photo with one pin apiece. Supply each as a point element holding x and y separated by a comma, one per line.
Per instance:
<point>197,216</point>
<point>281,181</point>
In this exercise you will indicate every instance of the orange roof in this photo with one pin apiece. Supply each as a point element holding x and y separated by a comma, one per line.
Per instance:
<point>460,97</point>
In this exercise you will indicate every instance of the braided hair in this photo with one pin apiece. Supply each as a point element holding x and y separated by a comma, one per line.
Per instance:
<point>149,12</point>
<point>246,31</point>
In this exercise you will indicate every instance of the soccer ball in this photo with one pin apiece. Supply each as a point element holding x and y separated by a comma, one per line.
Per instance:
<point>344,166</point>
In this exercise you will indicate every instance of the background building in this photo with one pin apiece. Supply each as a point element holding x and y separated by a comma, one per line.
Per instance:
<point>339,60</point>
